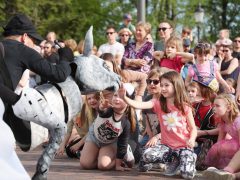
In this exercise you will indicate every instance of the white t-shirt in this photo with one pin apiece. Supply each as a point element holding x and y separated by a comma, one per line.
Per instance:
<point>116,49</point>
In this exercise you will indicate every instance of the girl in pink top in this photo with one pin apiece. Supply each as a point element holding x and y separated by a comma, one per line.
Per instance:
<point>173,58</point>
<point>178,130</point>
<point>205,70</point>
<point>225,153</point>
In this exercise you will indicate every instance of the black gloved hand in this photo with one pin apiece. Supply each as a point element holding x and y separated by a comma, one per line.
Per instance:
<point>65,54</point>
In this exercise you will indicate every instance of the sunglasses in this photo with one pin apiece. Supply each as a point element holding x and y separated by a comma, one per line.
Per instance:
<point>126,35</point>
<point>236,41</point>
<point>225,50</point>
<point>150,81</point>
<point>107,33</point>
<point>163,29</point>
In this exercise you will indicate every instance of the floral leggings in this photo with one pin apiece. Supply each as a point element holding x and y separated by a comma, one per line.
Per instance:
<point>164,154</point>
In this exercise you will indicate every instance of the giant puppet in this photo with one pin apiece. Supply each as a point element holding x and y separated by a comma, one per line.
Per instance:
<point>52,105</point>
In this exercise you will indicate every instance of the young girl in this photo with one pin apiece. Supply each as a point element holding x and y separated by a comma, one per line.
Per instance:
<point>226,109</point>
<point>81,123</point>
<point>178,131</point>
<point>107,141</point>
<point>223,154</point>
<point>173,58</point>
<point>205,71</point>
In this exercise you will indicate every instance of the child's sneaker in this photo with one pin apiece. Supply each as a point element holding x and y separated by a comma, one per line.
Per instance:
<point>129,158</point>
<point>216,174</point>
<point>144,167</point>
<point>172,167</point>
<point>159,166</point>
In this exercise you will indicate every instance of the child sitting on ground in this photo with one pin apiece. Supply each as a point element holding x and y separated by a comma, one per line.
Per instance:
<point>226,152</point>
<point>178,130</point>
<point>106,145</point>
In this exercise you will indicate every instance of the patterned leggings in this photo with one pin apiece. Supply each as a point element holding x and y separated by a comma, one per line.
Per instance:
<point>164,154</point>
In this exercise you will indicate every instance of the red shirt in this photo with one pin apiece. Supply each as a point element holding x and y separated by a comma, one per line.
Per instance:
<point>175,63</point>
<point>201,113</point>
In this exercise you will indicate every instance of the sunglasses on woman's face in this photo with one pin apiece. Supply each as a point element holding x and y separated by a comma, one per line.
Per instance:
<point>154,81</point>
<point>163,29</point>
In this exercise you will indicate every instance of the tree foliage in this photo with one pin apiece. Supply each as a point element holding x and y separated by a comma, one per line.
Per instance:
<point>72,18</point>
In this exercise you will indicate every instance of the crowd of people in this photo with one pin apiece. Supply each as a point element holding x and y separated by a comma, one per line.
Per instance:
<point>177,109</point>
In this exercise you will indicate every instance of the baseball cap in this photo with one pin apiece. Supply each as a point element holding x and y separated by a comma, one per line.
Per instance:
<point>20,24</point>
<point>127,16</point>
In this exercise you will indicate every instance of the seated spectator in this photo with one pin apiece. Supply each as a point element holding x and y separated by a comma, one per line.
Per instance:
<point>165,30</point>
<point>222,155</point>
<point>229,65</point>
<point>106,146</point>
<point>187,45</point>
<point>128,76</point>
<point>51,36</point>
<point>125,36</point>
<point>127,23</point>
<point>81,122</point>
<point>149,117</point>
<point>206,123</point>
<point>187,33</point>
<point>205,70</point>
<point>71,43</point>
<point>112,46</point>
<point>173,57</point>
<point>236,48</point>
<point>50,52</point>
<point>138,55</point>
<point>194,94</point>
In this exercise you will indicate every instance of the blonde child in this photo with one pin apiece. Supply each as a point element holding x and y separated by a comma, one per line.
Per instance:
<point>178,131</point>
<point>107,142</point>
<point>173,57</point>
<point>73,145</point>
<point>224,153</point>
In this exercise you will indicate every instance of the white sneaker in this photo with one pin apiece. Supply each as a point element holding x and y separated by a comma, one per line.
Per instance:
<point>129,158</point>
<point>216,174</point>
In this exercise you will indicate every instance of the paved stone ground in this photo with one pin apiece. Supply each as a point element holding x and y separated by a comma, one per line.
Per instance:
<point>63,168</point>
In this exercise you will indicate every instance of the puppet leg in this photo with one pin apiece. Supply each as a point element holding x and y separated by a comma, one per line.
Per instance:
<point>32,106</point>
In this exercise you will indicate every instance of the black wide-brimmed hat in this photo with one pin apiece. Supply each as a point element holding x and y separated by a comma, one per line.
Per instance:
<point>20,24</point>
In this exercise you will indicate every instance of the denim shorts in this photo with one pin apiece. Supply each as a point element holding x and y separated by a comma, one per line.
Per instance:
<point>92,138</point>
